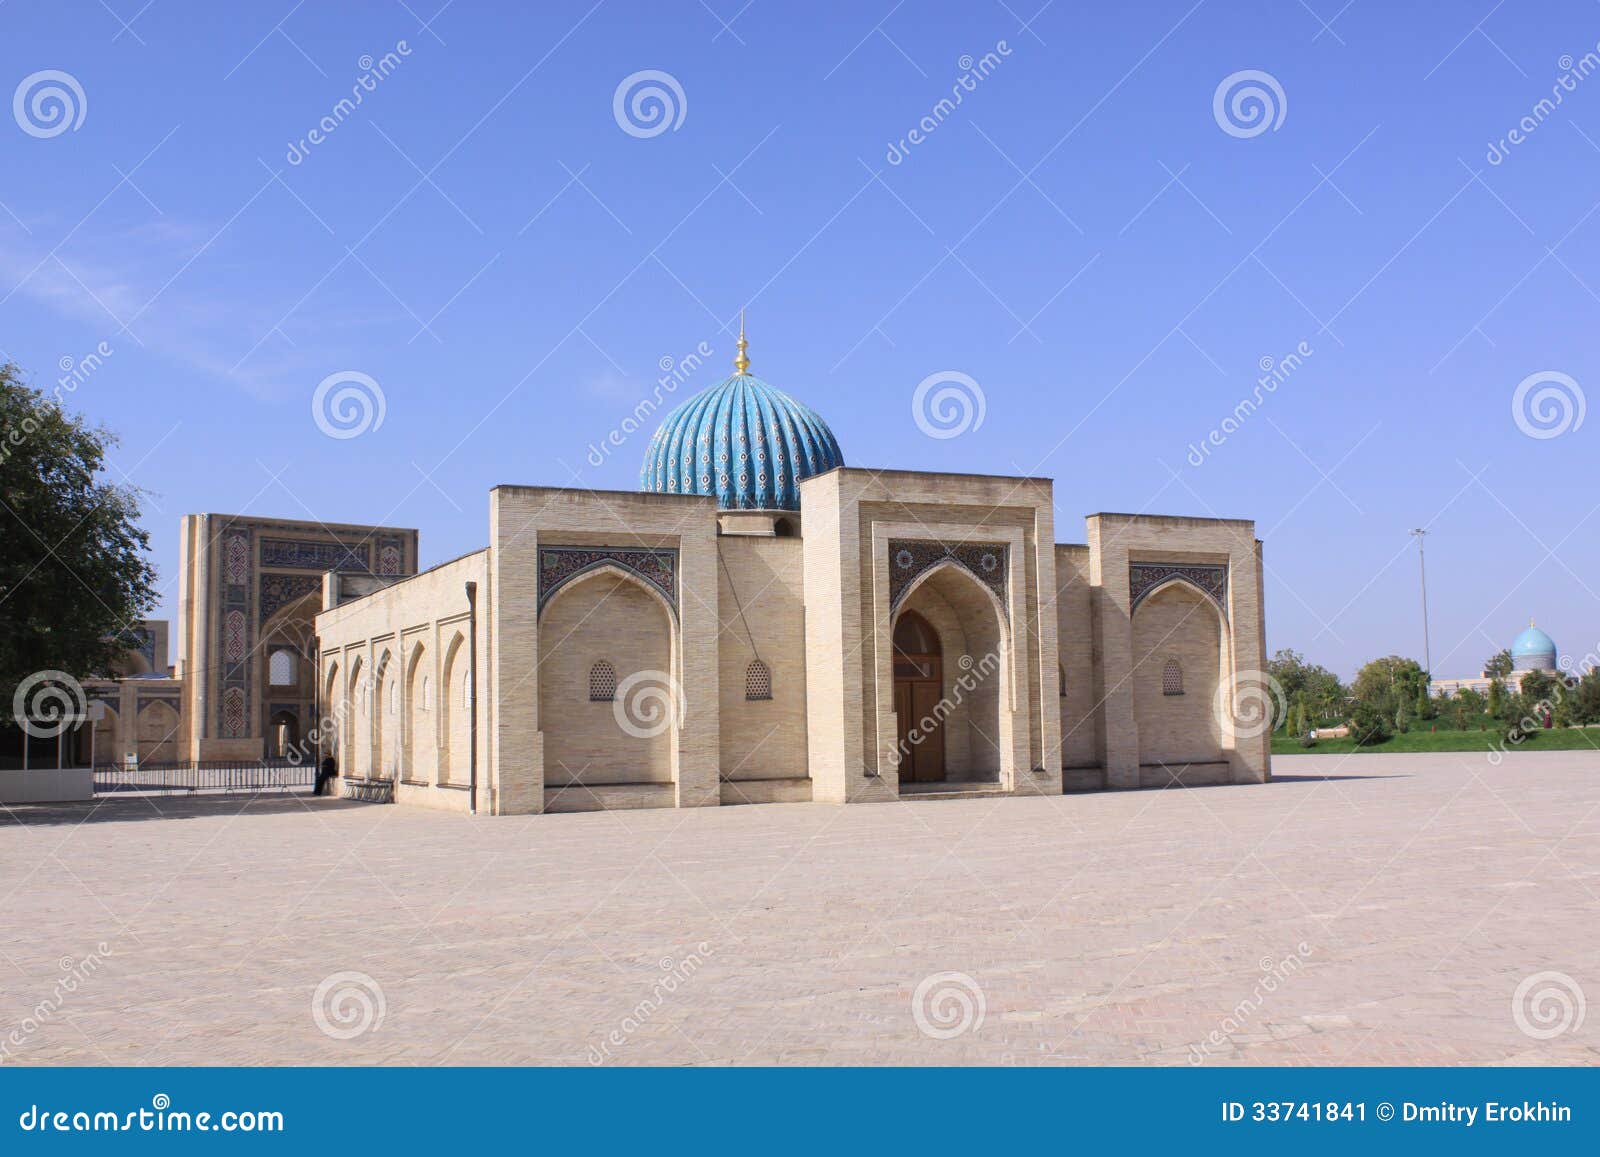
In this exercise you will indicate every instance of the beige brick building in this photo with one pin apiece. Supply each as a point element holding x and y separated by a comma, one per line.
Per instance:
<point>762,623</point>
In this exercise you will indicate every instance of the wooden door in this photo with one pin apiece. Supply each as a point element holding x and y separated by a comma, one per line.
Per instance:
<point>918,687</point>
<point>928,754</point>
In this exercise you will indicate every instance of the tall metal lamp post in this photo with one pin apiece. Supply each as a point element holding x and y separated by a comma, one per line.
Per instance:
<point>1422,569</point>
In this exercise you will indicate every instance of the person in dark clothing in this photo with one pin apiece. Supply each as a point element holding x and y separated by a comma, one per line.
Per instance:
<point>329,770</point>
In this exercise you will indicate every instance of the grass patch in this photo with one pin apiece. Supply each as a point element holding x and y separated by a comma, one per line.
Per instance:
<point>1557,739</point>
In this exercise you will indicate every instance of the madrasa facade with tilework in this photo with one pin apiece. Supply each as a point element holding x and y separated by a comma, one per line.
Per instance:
<point>759,623</point>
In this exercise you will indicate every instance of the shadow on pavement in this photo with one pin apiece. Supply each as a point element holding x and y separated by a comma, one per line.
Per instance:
<point>127,809</point>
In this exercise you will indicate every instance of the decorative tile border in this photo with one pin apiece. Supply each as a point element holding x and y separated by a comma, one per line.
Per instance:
<point>909,559</point>
<point>318,556</point>
<point>234,673</point>
<point>1145,577</point>
<point>560,565</point>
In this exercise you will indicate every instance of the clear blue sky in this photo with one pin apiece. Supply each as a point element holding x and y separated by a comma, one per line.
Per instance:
<point>1113,307</point>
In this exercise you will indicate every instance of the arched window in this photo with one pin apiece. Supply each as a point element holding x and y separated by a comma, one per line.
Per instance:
<point>757,681</point>
<point>602,683</point>
<point>1061,671</point>
<point>1172,678</point>
<point>427,694</point>
<point>783,528</point>
<point>280,668</point>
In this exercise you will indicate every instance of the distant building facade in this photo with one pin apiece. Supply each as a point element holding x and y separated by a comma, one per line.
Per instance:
<point>1531,651</point>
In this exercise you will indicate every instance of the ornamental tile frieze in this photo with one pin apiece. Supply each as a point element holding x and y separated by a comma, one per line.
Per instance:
<point>320,556</point>
<point>560,565</point>
<point>909,559</point>
<point>1145,577</point>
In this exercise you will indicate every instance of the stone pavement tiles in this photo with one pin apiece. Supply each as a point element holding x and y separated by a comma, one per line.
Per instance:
<point>1358,910</point>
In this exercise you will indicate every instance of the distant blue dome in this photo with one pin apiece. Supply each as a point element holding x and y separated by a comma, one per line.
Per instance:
<point>744,443</point>
<point>1533,651</point>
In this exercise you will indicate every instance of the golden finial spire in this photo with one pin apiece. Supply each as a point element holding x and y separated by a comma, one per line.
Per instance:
<point>742,363</point>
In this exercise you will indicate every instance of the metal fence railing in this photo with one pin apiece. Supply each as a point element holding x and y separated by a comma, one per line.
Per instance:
<point>209,776</point>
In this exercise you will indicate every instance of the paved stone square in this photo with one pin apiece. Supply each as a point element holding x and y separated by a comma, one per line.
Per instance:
<point>1384,914</point>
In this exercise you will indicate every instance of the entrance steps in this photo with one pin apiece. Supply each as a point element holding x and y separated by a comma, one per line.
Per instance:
<point>951,790</point>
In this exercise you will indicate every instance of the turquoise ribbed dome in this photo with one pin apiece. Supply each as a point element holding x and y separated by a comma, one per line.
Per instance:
<point>745,443</point>
<point>1533,651</point>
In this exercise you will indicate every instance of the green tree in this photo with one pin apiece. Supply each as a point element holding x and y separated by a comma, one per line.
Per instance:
<point>1585,698</point>
<point>1495,705</point>
<point>1498,666</point>
<point>1369,724</point>
<point>1540,699</point>
<point>1319,689</point>
<point>74,576</point>
<point>1389,683</point>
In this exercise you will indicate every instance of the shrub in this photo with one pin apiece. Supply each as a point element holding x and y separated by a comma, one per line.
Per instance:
<point>1369,725</point>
